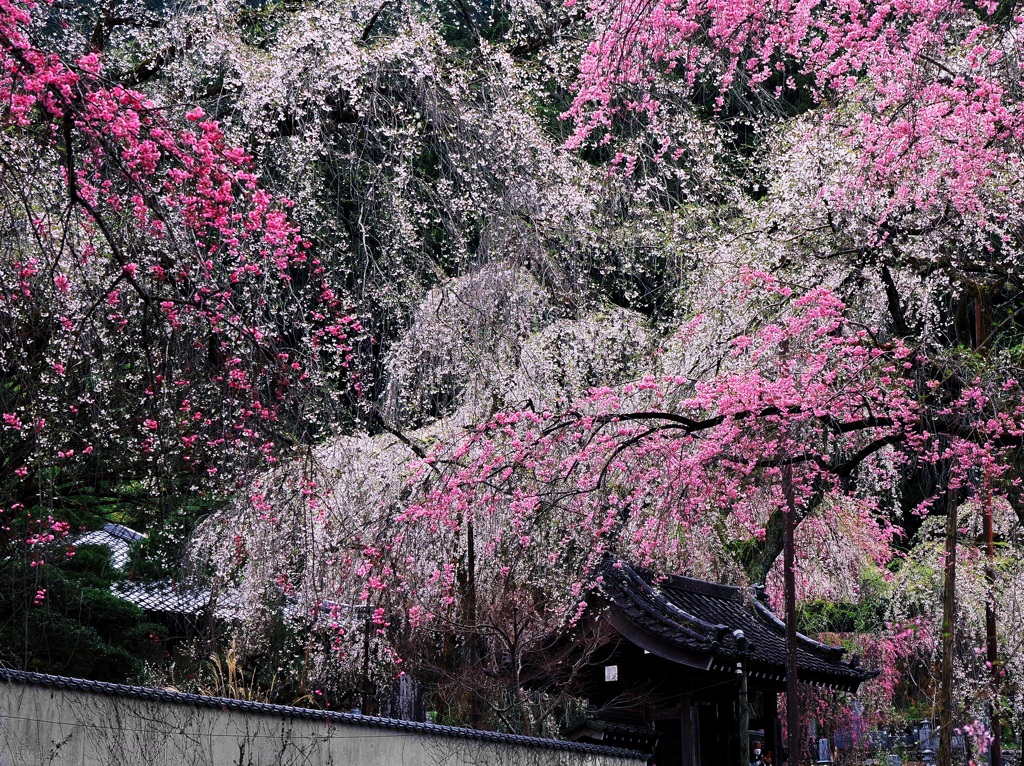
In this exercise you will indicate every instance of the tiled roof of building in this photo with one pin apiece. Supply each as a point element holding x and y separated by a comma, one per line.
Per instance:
<point>286,711</point>
<point>163,597</point>
<point>709,625</point>
<point>117,538</point>
<point>615,734</point>
<point>121,532</point>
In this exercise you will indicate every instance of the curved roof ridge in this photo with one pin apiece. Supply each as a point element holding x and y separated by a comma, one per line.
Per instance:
<point>832,652</point>
<point>716,628</point>
<point>265,708</point>
<point>638,583</point>
<point>717,590</point>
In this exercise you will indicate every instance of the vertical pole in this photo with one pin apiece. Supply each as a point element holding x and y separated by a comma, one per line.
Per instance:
<point>470,576</point>
<point>771,726</point>
<point>472,638</point>
<point>945,757</point>
<point>789,587</point>
<point>982,315</point>
<point>992,640</point>
<point>686,731</point>
<point>364,702</point>
<point>744,749</point>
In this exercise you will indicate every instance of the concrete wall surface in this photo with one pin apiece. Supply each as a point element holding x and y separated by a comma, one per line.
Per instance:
<point>50,721</point>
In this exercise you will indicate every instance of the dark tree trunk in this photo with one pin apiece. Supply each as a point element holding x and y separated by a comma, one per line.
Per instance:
<point>982,331</point>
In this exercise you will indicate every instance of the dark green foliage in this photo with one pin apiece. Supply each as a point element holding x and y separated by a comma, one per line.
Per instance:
<point>91,560</point>
<point>865,616</point>
<point>58,644</point>
<point>80,628</point>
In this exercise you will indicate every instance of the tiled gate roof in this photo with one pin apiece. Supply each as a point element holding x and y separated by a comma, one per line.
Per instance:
<point>712,626</point>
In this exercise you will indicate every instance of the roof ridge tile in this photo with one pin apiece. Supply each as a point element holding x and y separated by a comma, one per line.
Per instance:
<point>223,703</point>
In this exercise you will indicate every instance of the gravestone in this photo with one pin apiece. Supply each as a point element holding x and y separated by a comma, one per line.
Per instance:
<point>824,753</point>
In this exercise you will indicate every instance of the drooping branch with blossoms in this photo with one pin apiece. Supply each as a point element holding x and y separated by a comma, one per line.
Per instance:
<point>813,391</point>
<point>161,316</point>
<point>931,107</point>
<point>659,470</point>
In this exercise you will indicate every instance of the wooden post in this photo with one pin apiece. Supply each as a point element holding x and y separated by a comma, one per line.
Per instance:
<point>686,731</point>
<point>992,640</point>
<point>789,587</point>
<point>771,726</point>
<point>945,757</point>
<point>744,750</point>
<point>472,655</point>
<point>364,702</point>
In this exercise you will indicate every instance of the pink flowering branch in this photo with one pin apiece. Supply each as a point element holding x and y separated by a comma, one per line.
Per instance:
<point>919,96</point>
<point>166,271</point>
<point>639,469</point>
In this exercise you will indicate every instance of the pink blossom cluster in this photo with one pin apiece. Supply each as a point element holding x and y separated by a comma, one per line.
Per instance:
<point>921,92</point>
<point>655,469</point>
<point>175,255</point>
<point>980,737</point>
<point>34,538</point>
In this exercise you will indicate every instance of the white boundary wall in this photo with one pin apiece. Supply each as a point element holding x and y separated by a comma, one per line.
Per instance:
<point>52,721</point>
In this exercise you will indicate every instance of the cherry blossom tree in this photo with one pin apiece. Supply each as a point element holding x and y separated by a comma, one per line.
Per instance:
<point>655,467</point>
<point>163,319</point>
<point>475,616</point>
<point>910,122</point>
<point>811,208</point>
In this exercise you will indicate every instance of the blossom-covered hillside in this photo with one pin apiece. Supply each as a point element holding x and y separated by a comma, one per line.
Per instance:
<point>389,322</point>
